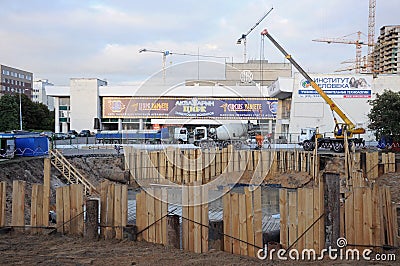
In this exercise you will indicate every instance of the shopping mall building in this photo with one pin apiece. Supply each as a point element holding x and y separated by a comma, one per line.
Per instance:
<point>266,94</point>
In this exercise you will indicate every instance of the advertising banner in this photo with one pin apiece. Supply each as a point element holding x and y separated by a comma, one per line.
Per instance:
<point>338,87</point>
<point>186,107</point>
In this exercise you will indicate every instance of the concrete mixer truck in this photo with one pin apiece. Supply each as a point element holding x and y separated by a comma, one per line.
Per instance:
<point>234,134</point>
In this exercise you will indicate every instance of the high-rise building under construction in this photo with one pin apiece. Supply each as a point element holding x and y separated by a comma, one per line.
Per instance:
<point>386,55</point>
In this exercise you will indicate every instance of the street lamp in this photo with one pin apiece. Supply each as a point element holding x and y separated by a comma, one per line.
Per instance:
<point>20,109</point>
<point>20,112</point>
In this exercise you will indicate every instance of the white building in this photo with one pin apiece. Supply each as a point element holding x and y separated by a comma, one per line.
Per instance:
<point>350,93</point>
<point>39,93</point>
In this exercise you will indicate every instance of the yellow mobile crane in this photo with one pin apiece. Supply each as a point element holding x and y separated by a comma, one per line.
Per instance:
<point>346,127</point>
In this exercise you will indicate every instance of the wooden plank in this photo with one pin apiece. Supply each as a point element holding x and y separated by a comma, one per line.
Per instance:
<point>258,238</point>
<point>46,190</point>
<point>392,162</point>
<point>204,219</point>
<point>192,166</point>
<point>151,215</point>
<point>197,219</point>
<point>178,167</point>
<point>164,213</point>
<point>249,222</point>
<point>377,215</point>
<point>18,203</point>
<point>358,217</point>
<point>34,205</point>
<point>301,214</point>
<point>367,216</point>
<point>60,210</point>
<point>186,169</point>
<point>318,228</point>
<point>283,210</point>
<point>67,209</point>
<point>199,166</point>
<point>292,195</point>
<point>3,192</point>
<point>213,159</point>
<point>235,223</point>
<point>227,218</point>
<point>109,230</point>
<point>124,205</point>
<point>74,209</point>
<point>389,216</point>
<point>243,225</point>
<point>218,162</point>
<point>157,215</point>
<point>185,217</point>
<point>79,206</point>
<point>140,198</point>
<point>309,213</point>
<point>191,218</point>
<point>118,212</point>
<point>103,206</point>
<point>206,166</point>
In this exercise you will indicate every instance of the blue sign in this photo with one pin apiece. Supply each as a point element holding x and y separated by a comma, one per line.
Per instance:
<point>185,107</point>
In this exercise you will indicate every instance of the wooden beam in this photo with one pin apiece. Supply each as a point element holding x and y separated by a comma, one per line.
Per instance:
<point>18,203</point>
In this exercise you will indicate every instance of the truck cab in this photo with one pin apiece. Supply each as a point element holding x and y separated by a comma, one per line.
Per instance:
<point>181,135</point>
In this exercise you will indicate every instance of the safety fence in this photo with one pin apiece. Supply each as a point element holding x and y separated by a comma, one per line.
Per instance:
<point>195,165</point>
<point>71,209</point>
<point>364,215</point>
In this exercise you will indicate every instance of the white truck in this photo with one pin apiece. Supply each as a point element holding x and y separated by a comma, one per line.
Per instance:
<point>234,134</point>
<point>181,135</point>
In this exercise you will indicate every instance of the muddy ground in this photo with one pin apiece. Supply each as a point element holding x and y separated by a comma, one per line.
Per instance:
<point>26,249</point>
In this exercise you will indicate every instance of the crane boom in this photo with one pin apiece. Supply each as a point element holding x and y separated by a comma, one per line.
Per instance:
<point>350,125</point>
<point>243,37</point>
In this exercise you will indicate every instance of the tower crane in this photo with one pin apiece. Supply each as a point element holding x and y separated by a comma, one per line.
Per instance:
<point>358,43</point>
<point>371,35</point>
<point>165,53</point>
<point>243,38</point>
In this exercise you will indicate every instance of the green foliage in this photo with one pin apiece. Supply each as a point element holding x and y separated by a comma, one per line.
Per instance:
<point>35,116</point>
<point>9,113</point>
<point>385,114</point>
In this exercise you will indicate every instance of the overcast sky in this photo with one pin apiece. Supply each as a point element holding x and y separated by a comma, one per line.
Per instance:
<point>62,39</point>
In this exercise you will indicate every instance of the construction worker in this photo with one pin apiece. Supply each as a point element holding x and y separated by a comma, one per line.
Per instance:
<point>259,140</point>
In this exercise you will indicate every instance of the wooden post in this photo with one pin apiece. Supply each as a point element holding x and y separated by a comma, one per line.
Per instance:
<point>117,220</point>
<point>258,239</point>
<point>18,203</point>
<point>227,216</point>
<point>243,225</point>
<point>37,208</point>
<point>250,222</point>
<point>46,190</point>
<point>283,209</point>
<point>235,223</point>
<point>60,210</point>
<point>3,192</point>
<point>173,232</point>
<point>204,219</point>
<point>332,208</point>
<point>92,217</point>
<point>103,206</point>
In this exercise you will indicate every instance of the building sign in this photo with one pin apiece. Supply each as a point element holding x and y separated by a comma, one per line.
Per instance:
<point>338,87</point>
<point>185,107</point>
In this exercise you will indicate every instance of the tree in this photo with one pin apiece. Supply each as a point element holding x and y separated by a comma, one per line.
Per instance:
<point>385,114</point>
<point>35,116</point>
<point>9,116</point>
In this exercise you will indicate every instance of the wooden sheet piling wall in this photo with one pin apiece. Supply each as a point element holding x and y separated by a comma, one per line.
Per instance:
<point>242,222</point>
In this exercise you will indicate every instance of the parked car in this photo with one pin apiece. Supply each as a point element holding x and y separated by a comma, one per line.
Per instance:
<point>48,134</point>
<point>57,136</point>
<point>72,132</point>
<point>84,133</point>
